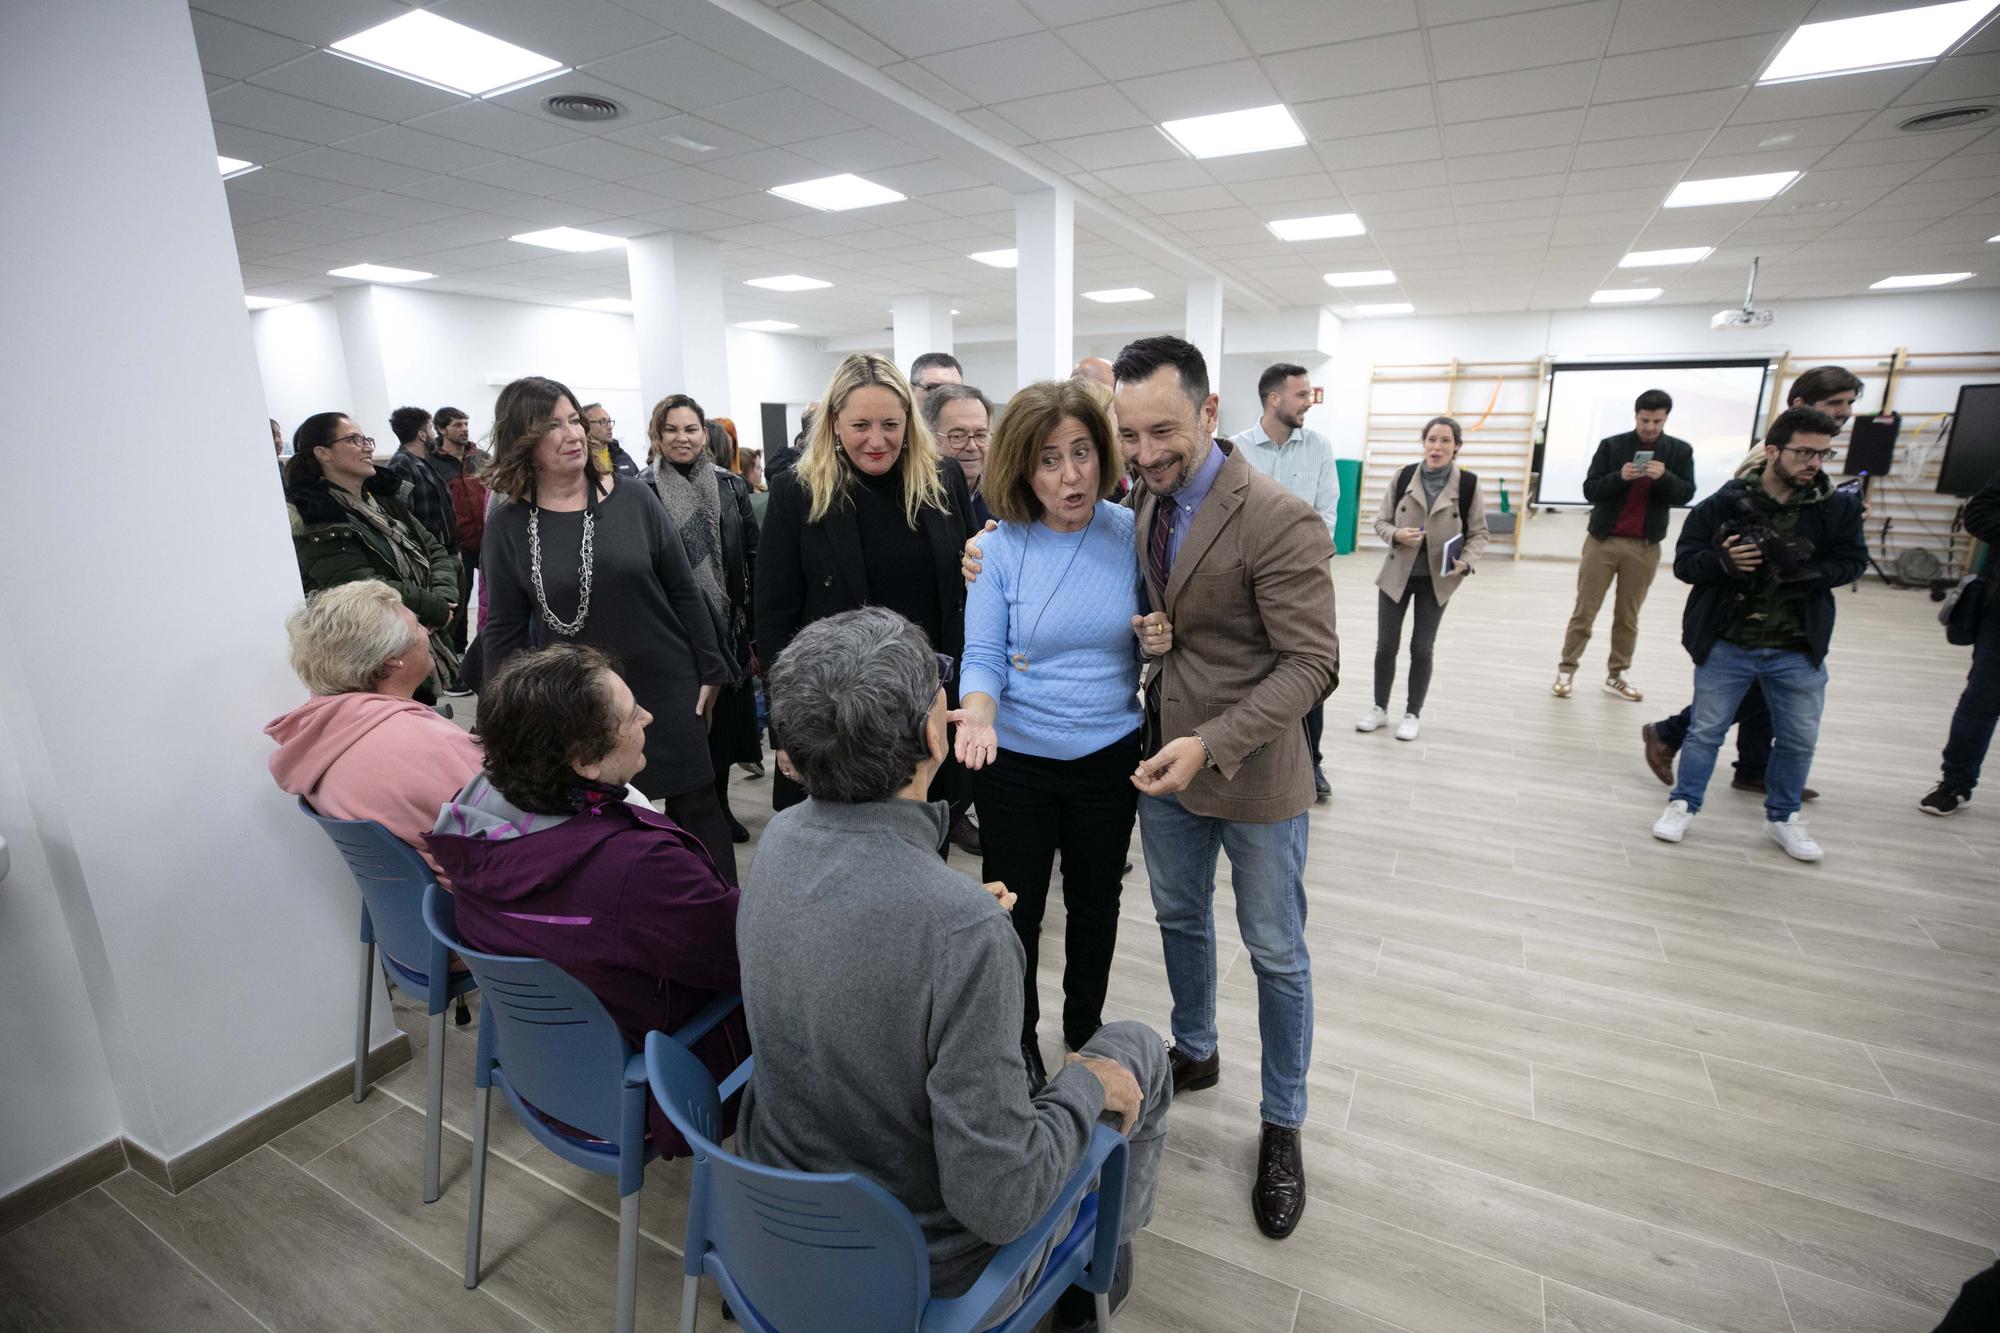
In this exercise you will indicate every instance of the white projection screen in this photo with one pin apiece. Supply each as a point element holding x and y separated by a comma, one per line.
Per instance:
<point>1717,409</point>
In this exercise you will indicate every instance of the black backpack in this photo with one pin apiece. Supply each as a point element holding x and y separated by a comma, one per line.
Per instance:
<point>1468,482</point>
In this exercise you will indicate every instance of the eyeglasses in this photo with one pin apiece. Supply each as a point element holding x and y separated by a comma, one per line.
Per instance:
<point>959,439</point>
<point>947,667</point>
<point>602,421</point>
<point>1807,455</point>
<point>356,438</point>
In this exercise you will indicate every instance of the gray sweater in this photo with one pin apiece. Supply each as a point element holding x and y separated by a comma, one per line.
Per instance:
<point>883,992</point>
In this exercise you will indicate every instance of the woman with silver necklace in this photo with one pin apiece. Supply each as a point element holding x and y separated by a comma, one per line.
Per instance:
<point>575,556</point>
<point>1049,720</point>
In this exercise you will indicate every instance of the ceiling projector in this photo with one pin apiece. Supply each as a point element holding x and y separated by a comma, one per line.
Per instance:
<point>1749,317</point>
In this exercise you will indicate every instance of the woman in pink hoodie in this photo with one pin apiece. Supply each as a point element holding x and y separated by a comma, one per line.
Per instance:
<point>362,747</point>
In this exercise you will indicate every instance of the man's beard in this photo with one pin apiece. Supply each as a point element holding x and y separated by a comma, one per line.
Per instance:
<point>1291,422</point>
<point>1177,482</point>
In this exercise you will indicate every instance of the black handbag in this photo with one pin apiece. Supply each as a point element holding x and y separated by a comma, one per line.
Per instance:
<point>1963,608</point>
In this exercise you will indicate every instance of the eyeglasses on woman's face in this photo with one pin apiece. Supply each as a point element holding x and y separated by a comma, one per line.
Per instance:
<point>357,438</point>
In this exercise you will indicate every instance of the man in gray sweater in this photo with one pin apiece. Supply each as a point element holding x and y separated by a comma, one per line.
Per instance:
<point>883,989</point>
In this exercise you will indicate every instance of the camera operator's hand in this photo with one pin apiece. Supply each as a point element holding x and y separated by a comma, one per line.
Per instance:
<point>1744,555</point>
<point>1656,469</point>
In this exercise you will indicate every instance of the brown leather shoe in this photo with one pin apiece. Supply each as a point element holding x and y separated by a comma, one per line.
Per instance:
<point>1659,754</point>
<point>1191,1075</point>
<point>1278,1199</point>
<point>1741,783</point>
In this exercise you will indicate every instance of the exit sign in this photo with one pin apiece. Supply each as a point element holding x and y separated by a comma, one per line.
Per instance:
<point>1319,394</point>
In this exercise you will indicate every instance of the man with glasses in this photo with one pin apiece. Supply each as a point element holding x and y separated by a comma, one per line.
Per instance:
<point>1763,555</point>
<point>961,417</point>
<point>935,368</point>
<point>610,455</point>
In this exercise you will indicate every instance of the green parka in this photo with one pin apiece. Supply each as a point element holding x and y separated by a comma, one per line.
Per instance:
<point>334,547</point>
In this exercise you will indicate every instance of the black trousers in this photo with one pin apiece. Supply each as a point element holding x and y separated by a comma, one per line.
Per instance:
<point>1031,808</point>
<point>701,814</point>
<point>1753,732</point>
<point>1388,638</point>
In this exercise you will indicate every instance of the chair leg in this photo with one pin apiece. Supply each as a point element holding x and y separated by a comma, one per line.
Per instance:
<point>434,1107</point>
<point>628,1261</point>
<point>363,1011</point>
<point>1103,1312</point>
<point>476,1210</point>
<point>690,1294</point>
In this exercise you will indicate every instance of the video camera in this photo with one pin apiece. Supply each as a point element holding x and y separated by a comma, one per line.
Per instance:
<point>1785,558</point>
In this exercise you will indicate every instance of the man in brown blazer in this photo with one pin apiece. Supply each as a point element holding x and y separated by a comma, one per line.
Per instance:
<point>1239,566</point>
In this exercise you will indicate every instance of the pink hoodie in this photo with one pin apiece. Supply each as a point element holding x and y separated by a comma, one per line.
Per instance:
<point>374,756</point>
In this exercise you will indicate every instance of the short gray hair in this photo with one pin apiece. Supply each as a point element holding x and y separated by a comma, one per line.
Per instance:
<point>936,398</point>
<point>343,636</point>
<point>849,700</point>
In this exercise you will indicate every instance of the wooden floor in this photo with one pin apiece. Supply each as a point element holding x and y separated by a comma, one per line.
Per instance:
<point>1565,1077</point>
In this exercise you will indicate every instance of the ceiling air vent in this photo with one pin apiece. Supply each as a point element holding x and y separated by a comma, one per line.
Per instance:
<point>1945,120</point>
<point>581,106</point>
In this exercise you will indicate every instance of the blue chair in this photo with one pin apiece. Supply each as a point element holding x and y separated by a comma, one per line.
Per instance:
<point>554,1052</point>
<point>836,1253</point>
<point>393,880</point>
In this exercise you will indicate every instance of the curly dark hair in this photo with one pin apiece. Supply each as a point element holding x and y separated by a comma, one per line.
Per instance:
<point>543,713</point>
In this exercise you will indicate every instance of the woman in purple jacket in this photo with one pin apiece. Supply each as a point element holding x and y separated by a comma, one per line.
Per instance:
<point>549,859</point>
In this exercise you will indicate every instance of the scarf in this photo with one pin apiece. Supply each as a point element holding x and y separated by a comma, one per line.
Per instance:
<point>413,566</point>
<point>694,504</point>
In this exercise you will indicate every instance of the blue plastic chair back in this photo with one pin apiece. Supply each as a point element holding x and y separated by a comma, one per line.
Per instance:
<point>827,1252</point>
<point>392,879</point>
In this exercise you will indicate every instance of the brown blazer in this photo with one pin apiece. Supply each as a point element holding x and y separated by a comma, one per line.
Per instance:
<point>1251,602</point>
<point>1440,523</point>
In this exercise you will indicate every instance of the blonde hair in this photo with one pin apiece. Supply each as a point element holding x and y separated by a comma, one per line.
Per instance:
<point>1028,419</point>
<point>825,471</point>
<point>344,636</point>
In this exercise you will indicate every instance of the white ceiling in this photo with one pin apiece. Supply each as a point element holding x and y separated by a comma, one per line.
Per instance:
<point>1504,154</point>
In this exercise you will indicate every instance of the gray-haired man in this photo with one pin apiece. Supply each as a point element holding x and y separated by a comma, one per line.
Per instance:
<point>896,1051</point>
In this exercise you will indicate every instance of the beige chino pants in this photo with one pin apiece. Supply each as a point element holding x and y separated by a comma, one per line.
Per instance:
<point>1632,562</point>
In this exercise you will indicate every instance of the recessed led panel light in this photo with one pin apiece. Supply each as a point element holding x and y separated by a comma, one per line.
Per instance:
<point>572,239</point>
<point>1874,41</point>
<point>264,302</point>
<point>1256,130</point>
<point>997,258</point>
<point>1324,227</point>
<point>1730,189</point>
<point>1386,308</point>
<point>232,167</point>
<point>1918,280</point>
<point>766,325</point>
<point>1692,254</point>
<point>420,45</point>
<point>1113,295</point>
<point>616,305</point>
<point>379,273</point>
<point>1623,295</point>
<point>787,282</point>
<point>837,194</point>
<point>1370,277</point>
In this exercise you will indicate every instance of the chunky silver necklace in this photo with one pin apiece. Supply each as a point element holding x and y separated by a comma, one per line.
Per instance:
<point>567,628</point>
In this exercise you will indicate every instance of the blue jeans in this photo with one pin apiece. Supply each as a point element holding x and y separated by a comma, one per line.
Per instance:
<point>1795,691</point>
<point>1972,721</point>
<point>1267,867</point>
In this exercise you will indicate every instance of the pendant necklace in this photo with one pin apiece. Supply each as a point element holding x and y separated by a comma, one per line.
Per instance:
<point>1020,575</point>
<point>569,629</point>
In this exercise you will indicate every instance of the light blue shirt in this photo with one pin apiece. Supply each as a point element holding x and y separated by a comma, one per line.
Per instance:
<point>1302,464</point>
<point>1188,501</point>
<point>1071,618</point>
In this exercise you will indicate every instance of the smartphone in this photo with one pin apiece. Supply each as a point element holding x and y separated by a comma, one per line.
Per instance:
<point>1642,457</point>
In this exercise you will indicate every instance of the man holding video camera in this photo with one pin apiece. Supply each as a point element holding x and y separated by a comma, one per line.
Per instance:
<point>1763,556</point>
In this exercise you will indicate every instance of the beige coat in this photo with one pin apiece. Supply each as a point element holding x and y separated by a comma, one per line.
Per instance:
<point>1440,525</point>
<point>1251,601</point>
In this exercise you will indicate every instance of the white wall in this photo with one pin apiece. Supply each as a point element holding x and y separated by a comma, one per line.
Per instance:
<point>304,369</point>
<point>773,368</point>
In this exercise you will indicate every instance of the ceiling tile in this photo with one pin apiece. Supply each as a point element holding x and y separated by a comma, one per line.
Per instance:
<point>1507,187</point>
<point>574,32</point>
<point>414,148</point>
<point>314,22</point>
<point>766,168</point>
<point>681,73</point>
<point>528,102</point>
<point>1006,131</point>
<point>1517,93</point>
<point>1365,66</point>
<point>1231,86</point>
<point>1394,176</point>
<point>286,185</point>
<point>258,108</point>
<point>1179,174</point>
<point>1656,115</point>
<point>1262,166</point>
<point>1521,41</point>
<point>1806,133</point>
<point>1190,34</point>
<point>655,136</point>
<point>600,159</point>
<point>1731,63</point>
<point>781,117</point>
<point>688,185</point>
<point>1012,68</point>
<point>1650,179</point>
<point>370,173</point>
<point>495,127</point>
<point>1117,148</point>
<point>1645,27</point>
<point>937,25</point>
<point>236,51</point>
<point>1273,26</point>
<point>328,78</point>
<point>1546,129</point>
<point>1902,148</point>
<point>1961,78</point>
<point>817,18</point>
<point>401,208</point>
<point>1314,185</point>
<point>530,176</point>
<point>1059,114</point>
<point>1821,97</point>
<point>1183,201</point>
<point>255,145</point>
<point>1368,113</point>
<point>1375,150</point>
<point>1493,166</point>
<point>928,179</point>
<point>1676,147</point>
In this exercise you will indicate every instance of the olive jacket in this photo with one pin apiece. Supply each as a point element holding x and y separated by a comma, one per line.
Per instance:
<point>334,548</point>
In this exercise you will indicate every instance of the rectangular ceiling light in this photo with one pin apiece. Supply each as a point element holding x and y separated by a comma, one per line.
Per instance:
<point>997,258</point>
<point>571,239</point>
<point>232,167</point>
<point>1623,295</point>
<point>1918,280</point>
<point>1257,130</point>
<point>1113,295</point>
<point>379,273</point>
<point>1386,308</point>
<point>787,282</point>
<point>1370,277</point>
<point>1874,41</point>
<point>837,194</point>
<point>1324,227</point>
<point>1692,254</point>
<point>766,326</point>
<point>1730,189</point>
<point>616,305</point>
<point>264,302</point>
<point>420,45</point>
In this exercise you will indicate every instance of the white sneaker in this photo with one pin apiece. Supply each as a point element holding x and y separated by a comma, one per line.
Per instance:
<point>1673,822</point>
<point>1790,834</point>
<point>1372,720</point>
<point>1406,730</point>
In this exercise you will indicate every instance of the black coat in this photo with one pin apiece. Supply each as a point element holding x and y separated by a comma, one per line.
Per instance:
<point>1982,520</point>
<point>1605,488</point>
<point>1840,556</point>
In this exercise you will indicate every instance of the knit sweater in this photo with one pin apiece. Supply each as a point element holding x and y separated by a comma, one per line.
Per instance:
<point>1073,621</point>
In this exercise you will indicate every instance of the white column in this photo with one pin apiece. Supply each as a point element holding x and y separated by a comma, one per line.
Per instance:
<point>1204,324</point>
<point>1044,285</point>
<point>142,646</point>
<point>923,324</point>
<point>367,371</point>
<point>677,319</point>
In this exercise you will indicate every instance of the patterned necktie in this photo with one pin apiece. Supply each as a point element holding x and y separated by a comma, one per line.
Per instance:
<point>1161,539</point>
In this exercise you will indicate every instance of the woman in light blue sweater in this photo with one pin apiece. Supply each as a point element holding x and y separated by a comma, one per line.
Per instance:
<point>1049,711</point>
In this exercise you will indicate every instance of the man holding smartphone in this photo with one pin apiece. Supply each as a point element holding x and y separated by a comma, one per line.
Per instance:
<point>1634,479</point>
